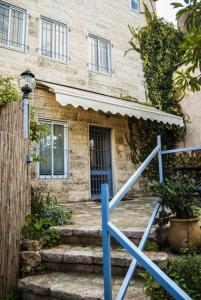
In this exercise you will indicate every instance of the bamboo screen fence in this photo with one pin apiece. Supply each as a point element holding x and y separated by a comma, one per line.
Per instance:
<point>14,192</point>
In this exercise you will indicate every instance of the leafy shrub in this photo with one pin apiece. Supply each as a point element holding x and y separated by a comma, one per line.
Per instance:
<point>8,93</point>
<point>46,212</point>
<point>48,207</point>
<point>185,271</point>
<point>178,194</point>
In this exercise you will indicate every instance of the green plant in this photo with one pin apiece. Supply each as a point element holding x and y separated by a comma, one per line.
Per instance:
<point>45,212</point>
<point>48,207</point>
<point>8,93</point>
<point>10,296</point>
<point>178,195</point>
<point>185,271</point>
<point>151,246</point>
<point>190,15</point>
<point>38,129</point>
<point>158,44</point>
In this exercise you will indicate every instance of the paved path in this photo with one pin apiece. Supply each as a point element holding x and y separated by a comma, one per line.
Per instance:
<point>129,213</point>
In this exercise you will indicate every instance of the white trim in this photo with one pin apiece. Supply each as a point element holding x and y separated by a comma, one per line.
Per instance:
<point>66,151</point>
<point>64,51</point>
<point>22,46</point>
<point>108,70</point>
<point>135,10</point>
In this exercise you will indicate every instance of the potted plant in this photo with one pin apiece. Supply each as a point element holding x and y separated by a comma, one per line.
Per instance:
<point>180,201</point>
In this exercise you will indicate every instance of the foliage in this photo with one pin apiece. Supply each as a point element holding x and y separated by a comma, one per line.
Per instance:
<point>9,296</point>
<point>38,130</point>
<point>142,140</point>
<point>185,271</point>
<point>178,194</point>
<point>158,43</point>
<point>38,270</point>
<point>159,46</point>
<point>46,212</point>
<point>151,246</point>
<point>8,93</point>
<point>190,15</point>
<point>48,207</point>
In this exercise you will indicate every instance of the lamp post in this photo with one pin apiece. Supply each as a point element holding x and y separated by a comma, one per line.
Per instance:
<point>27,84</point>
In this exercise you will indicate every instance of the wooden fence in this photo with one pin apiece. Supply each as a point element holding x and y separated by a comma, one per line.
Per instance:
<point>14,192</point>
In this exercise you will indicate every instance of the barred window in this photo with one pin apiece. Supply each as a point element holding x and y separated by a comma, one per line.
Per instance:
<point>13,21</point>
<point>53,39</point>
<point>99,54</point>
<point>135,5</point>
<point>54,150</point>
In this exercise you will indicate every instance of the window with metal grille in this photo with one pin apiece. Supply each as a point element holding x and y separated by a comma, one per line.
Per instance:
<point>54,150</point>
<point>13,24</point>
<point>135,5</point>
<point>53,39</point>
<point>99,54</point>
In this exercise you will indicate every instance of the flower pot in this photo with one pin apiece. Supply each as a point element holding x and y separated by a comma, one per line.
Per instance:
<point>184,233</point>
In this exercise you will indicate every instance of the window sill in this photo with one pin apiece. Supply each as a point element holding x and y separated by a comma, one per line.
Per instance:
<point>54,60</point>
<point>13,49</point>
<point>46,178</point>
<point>100,73</point>
<point>136,11</point>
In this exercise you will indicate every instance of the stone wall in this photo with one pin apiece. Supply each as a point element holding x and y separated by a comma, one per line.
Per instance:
<point>191,105</point>
<point>77,186</point>
<point>108,19</point>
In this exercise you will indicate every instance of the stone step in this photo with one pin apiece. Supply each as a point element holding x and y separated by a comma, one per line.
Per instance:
<point>91,235</point>
<point>61,286</point>
<point>89,259</point>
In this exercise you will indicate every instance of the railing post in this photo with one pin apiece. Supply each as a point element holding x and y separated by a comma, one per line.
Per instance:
<point>160,161</point>
<point>106,243</point>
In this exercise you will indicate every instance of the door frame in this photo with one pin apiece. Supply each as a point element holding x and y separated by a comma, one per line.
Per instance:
<point>113,164</point>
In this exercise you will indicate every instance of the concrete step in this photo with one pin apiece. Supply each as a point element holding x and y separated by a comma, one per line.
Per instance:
<point>91,235</point>
<point>89,259</point>
<point>61,286</point>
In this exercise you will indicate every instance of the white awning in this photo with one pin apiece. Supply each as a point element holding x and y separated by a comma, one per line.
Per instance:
<point>89,100</point>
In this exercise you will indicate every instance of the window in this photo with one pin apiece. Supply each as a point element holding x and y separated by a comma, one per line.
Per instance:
<point>99,54</point>
<point>135,5</point>
<point>13,23</point>
<point>53,150</point>
<point>53,39</point>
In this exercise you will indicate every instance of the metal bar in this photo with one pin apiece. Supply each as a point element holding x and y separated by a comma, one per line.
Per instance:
<point>106,243</point>
<point>160,161</point>
<point>26,116</point>
<point>117,198</point>
<point>169,285</point>
<point>133,266</point>
<point>181,150</point>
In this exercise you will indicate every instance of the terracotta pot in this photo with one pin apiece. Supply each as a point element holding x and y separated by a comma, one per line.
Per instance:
<point>184,233</point>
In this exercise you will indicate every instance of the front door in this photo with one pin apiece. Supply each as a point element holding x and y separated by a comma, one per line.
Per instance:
<point>100,159</point>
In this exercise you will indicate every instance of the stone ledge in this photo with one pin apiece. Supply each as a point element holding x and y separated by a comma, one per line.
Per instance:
<point>73,286</point>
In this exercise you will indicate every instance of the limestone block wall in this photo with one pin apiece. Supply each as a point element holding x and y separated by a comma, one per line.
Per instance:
<point>191,105</point>
<point>107,19</point>
<point>77,186</point>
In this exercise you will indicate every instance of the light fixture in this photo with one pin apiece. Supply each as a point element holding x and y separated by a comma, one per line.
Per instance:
<point>26,84</point>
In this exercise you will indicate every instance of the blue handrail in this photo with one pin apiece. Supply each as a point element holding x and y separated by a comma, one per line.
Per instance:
<point>109,229</point>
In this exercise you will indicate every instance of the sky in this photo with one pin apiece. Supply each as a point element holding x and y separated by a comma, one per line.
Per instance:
<point>165,10</point>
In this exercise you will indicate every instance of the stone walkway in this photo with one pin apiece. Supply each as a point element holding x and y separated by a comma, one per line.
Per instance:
<point>129,214</point>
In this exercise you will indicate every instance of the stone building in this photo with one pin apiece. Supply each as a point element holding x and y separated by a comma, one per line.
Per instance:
<point>76,51</point>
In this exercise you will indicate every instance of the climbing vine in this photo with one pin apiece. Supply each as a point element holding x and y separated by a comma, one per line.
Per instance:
<point>158,44</point>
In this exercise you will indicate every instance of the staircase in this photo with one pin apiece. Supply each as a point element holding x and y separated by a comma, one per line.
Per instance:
<point>74,268</point>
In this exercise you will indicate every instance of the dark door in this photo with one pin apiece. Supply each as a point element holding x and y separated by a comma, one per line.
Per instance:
<point>100,159</point>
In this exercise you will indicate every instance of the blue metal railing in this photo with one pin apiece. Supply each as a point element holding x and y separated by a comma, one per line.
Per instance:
<point>108,230</point>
